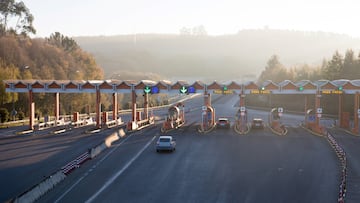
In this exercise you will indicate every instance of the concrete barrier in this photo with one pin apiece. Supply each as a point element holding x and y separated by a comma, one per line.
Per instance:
<point>40,189</point>
<point>97,150</point>
<point>114,137</point>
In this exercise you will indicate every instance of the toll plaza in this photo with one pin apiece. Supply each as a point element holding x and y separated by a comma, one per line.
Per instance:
<point>318,89</point>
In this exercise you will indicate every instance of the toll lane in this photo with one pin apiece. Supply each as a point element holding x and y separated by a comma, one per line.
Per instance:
<point>220,166</point>
<point>42,153</point>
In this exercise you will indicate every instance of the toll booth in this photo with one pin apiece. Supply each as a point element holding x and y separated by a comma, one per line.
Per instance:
<point>207,118</point>
<point>310,119</point>
<point>175,118</point>
<point>275,121</point>
<point>241,120</point>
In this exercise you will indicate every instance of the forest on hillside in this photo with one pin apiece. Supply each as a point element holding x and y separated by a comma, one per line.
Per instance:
<point>21,57</point>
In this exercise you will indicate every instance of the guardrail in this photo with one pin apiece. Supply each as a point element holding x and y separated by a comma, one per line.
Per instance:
<point>75,163</point>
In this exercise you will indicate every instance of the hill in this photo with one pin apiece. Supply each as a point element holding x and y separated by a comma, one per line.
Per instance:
<point>228,57</point>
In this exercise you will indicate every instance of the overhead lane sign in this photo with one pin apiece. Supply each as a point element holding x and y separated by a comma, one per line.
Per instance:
<point>151,90</point>
<point>332,91</point>
<point>187,90</point>
<point>261,90</point>
<point>147,89</point>
<point>224,90</point>
<point>183,90</point>
<point>191,90</point>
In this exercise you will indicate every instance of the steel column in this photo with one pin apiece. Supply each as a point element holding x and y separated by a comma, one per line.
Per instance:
<point>356,115</point>
<point>340,110</point>
<point>133,105</point>
<point>31,110</point>
<point>306,108</point>
<point>57,107</point>
<point>146,106</point>
<point>115,106</point>
<point>98,108</point>
<point>317,105</point>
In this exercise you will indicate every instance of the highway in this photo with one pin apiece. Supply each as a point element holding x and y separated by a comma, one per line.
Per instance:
<point>26,159</point>
<point>220,166</point>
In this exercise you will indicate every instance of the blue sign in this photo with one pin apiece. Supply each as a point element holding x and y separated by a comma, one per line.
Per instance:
<point>191,89</point>
<point>154,90</point>
<point>312,118</point>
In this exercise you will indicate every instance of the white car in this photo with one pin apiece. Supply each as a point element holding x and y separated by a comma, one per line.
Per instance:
<point>165,143</point>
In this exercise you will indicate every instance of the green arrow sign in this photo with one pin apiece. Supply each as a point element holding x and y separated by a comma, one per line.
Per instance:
<point>147,89</point>
<point>183,90</point>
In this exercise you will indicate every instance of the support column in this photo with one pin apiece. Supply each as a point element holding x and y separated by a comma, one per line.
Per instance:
<point>98,108</point>
<point>57,107</point>
<point>207,99</point>
<point>133,105</point>
<point>306,106</point>
<point>341,97</point>
<point>146,106</point>
<point>356,115</point>
<point>31,110</point>
<point>242,99</point>
<point>317,105</point>
<point>115,106</point>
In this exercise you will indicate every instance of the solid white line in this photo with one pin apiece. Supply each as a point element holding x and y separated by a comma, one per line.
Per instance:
<point>112,179</point>
<point>97,163</point>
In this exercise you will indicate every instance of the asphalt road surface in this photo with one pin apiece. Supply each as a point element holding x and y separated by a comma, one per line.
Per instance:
<point>351,146</point>
<point>220,166</point>
<point>26,159</point>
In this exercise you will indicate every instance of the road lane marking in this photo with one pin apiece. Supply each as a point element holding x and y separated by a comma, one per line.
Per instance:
<point>113,178</point>
<point>90,170</point>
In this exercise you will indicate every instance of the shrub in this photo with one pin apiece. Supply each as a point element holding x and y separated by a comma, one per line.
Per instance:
<point>4,115</point>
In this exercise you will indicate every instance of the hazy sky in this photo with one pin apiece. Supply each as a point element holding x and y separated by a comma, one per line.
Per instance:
<point>111,17</point>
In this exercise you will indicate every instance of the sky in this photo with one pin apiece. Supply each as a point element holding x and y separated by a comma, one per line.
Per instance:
<point>114,17</point>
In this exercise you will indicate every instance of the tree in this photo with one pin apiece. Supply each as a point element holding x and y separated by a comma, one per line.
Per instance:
<point>274,71</point>
<point>63,42</point>
<point>350,67</point>
<point>17,14</point>
<point>334,68</point>
<point>4,115</point>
